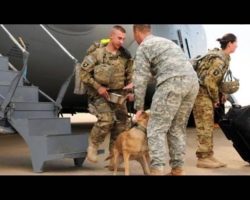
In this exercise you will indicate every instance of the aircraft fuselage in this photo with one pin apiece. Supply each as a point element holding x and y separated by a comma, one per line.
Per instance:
<point>49,66</point>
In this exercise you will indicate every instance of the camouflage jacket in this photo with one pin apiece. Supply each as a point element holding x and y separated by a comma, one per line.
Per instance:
<point>160,58</point>
<point>211,72</point>
<point>122,63</point>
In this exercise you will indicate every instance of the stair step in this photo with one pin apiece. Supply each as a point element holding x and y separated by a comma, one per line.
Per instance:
<point>4,63</point>
<point>32,110</point>
<point>31,106</point>
<point>21,114</point>
<point>22,93</point>
<point>67,144</point>
<point>49,126</point>
<point>7,76</point>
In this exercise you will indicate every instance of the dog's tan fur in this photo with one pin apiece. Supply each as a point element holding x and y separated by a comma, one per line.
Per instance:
<point>132,145</point>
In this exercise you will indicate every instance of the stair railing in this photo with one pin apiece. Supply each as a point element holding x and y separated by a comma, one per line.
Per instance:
<point>17,78</point>
<point>28,82</point>
<point>65,85</point>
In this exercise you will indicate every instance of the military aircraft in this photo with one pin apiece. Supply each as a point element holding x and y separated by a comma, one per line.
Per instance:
<point>49,66</point>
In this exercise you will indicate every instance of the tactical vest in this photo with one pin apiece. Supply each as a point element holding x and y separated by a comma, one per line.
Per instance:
<point>111,69</point>
<point>206,61</point>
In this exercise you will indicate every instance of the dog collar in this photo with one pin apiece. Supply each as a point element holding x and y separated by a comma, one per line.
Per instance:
<point>143,129</point>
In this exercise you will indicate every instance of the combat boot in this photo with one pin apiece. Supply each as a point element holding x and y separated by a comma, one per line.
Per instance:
<point>207,163</point>
<point>215,160</point>
<point>92,153</point>
<point>177,171</point>
<point>157,171</point>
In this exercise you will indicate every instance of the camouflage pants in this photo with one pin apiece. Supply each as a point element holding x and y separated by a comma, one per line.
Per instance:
<point>170,109</point>
<point>204,119</point>
<point>111,118</point>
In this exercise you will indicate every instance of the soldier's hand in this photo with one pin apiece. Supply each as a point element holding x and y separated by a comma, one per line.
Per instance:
<point>129,86</point>
<point>138,114</point>
<point>103,92</point>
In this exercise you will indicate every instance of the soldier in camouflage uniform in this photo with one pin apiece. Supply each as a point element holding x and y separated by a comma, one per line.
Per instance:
<point>111,117</point>
<point>176,90</point>
<point>211,71</point>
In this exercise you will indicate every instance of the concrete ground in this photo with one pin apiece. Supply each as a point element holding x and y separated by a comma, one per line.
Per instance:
<point>15,156</point>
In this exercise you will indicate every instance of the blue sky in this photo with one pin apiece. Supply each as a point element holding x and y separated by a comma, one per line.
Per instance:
<point>240,59</point>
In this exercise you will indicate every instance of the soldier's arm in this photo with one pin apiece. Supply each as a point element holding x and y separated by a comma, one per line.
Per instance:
<point>141,77</point>
<point>86,72</point>
<point>213,78</point>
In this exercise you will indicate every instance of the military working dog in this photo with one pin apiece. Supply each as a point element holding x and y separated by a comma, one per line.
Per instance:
<point>132,145</point>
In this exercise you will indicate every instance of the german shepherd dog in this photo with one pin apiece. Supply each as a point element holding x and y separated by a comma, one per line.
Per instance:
<point>132,145</point>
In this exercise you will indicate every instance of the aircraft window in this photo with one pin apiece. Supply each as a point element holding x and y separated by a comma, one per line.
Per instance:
<point>72,29</point>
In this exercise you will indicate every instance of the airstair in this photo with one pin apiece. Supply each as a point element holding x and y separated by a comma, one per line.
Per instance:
<point>47,136</point>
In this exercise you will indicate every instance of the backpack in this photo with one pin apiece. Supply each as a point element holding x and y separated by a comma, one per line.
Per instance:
<point>79,88</point>
<point>201,63</point>
<point>196,61</point>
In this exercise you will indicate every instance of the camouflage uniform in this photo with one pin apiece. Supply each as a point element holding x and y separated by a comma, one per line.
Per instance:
<point>176,90</point>
<point>111,118</point>
<point>203,111</point>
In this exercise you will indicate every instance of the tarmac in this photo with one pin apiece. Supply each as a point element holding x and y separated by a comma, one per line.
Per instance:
<point>15,156</point>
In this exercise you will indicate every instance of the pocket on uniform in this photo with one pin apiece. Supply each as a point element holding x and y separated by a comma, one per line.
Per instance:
<point>103,107</point>
<point>157,105</point>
